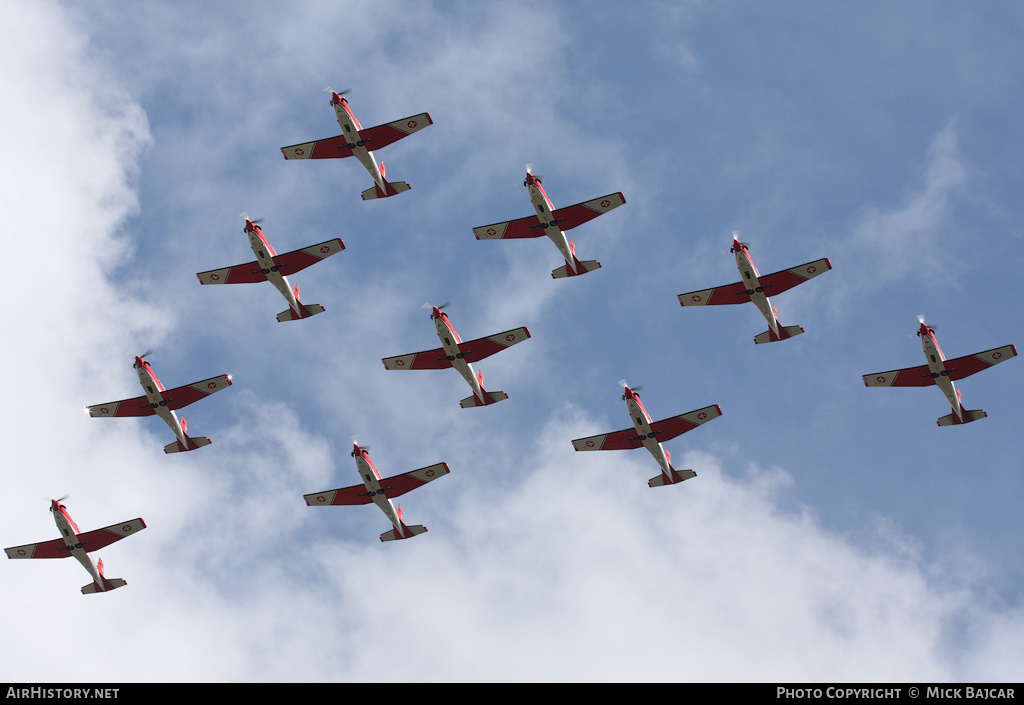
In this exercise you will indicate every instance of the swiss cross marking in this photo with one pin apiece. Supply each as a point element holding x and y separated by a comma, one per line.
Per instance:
<point>429,473</point>
<point>695,298</point>
<point>215,277</point>
<point>300,152</point>
<point>590,444</point>
<point>399,363</point>
<point>510,337</point>
<point>325,249</point>
<point>812,269</point>
<point>702,415</point>
<point>605,203</point>
<point>411,124</point>
<point>996,355</point>
<point>491,231</point>
<point>211,385</point>
<point>880,379</point>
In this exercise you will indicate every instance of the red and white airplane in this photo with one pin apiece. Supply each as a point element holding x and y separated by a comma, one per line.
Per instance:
<point>380,492</point>
<point>357,142</point>
<point>553,223</point>
<point>275,268</point>
<point>74,543</point>
<point>756,288</point>
<point>650,435</point>
<point>460,355</point>
<point>942,373</point>
<point>163,403</point>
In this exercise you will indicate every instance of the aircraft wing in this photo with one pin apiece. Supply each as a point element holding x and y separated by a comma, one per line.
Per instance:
<point>920,376</point>
<point>297,260</point>
<point>778,282</point>
<point>356,494</point>
<point>47,549</point>
<point>136,406</point>
<point>190,393</point>
<point>248,273</point>
<point>476,350</point>
<point>667,429</point>
<point>436,359</point>
<point>571,216</point>
<point>730,294</point>
<point>382,135</point>
<point>619,440</point>
<point>967,365</point>
<point>97,539</point>
<point>400,484</point>
<point>329,148</point>
<point>510,229</point>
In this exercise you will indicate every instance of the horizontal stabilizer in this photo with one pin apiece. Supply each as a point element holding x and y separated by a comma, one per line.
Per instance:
<point>969,415</point>
<point>784,332</point>
<point>414,530</point>
<point>491,398</point>
<point>394,188</point>
<point>677,477</point>
<point>108,585</point>
<point>581,268</point>
<point>193,443</point>
<point>308,310</point>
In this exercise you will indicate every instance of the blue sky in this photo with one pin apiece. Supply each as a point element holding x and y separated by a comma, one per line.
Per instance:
<point>833,532</point>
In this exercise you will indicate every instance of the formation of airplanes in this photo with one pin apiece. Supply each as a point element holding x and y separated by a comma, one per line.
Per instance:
<point>455,353</point>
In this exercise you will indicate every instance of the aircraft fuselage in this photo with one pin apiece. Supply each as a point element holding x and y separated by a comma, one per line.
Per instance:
<point>69,532</point>
<point>350,127</point>
<point>750,277</point>
<point>371,479</point>
<point>937,366</point>
<point>265,261</point>
<point>154,393</point>
<point>642,422</point>
<point>542,205</point>
<point>450,342</point>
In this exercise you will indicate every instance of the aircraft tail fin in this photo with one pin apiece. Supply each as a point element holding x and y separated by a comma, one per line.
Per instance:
<point>784,332</point>
<point>581,268</point>
<point>108,583</point>
<point>193,443</point>
<point>407,531</point>
<point>489,397</point>
<point>390,188</point>
<point>307,310</point>
<point>968,416</point>
<point>676,477</point>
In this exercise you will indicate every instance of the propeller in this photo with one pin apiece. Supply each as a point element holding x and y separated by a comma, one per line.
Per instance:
<point>429,306</point>
<point>59,500</point>
<point>529,170</point>
<point>328,89</point>
<point>254,221</point>
<point>622,383</point>
<point>355,442</point>
<point>920,319</point>
<point>736,237</point>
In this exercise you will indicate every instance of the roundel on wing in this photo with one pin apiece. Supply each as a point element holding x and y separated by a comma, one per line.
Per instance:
<point>299,151</point>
